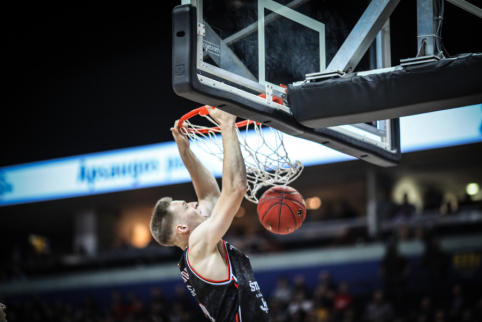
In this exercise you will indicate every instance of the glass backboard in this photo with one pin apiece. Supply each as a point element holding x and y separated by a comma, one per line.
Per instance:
<point>252,47</point>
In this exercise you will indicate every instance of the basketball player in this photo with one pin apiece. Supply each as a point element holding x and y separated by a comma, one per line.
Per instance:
<point>218,275</point>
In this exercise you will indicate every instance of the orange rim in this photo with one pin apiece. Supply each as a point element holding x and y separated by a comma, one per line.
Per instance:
<point>204,111</point>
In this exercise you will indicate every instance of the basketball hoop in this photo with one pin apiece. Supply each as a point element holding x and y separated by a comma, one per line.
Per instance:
<point>264,153</point>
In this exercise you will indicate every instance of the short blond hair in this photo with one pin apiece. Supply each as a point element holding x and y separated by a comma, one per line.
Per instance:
<point>162,221</point>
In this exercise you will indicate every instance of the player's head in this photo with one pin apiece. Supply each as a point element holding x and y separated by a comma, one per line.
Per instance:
<point>173,221</point>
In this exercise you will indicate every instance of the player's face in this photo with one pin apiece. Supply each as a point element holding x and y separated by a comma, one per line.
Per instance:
<point>189,213</point>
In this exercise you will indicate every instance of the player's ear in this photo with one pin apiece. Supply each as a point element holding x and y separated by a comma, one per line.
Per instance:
<point>182,229</point>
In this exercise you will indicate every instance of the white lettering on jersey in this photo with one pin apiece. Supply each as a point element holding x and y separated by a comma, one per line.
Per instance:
<point>193,292</point>
<point>185,275</point>
<point>264,307</point>
<point>254,286</point>
<point>206,313</point>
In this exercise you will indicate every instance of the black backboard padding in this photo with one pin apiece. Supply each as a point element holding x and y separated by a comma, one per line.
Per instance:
<point>412,90</point>
<point>186,84</point>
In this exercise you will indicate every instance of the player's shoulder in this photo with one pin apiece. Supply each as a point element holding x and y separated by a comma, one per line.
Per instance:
<point>200,243</point>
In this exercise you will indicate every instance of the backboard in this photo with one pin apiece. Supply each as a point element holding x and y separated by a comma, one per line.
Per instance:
<point>226,53</point>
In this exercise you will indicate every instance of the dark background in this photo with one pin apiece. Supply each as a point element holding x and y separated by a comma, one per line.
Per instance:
<point>90,77</point>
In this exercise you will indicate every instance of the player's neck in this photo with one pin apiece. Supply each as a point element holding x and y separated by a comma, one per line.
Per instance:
<point>183,245</point>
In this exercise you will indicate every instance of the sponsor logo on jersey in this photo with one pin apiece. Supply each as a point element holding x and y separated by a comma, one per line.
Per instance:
<point>264,307</point>
<point>191,289</point>
<point>185,275</point>
<point>254,286</point>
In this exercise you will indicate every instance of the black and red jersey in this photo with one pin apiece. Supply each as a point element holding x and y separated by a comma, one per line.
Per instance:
<point>236,299</point>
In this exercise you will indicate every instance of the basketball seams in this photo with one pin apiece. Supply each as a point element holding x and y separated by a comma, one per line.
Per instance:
<point>281,208</point>
<point>267,211</point>
<point>292,213</point>
<point>295,201</point>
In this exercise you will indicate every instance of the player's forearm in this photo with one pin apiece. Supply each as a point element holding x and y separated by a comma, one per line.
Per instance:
<point>234,169</point>
<point>203,180</point>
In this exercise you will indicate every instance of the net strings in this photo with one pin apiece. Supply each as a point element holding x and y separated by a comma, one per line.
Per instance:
<point>267,162</point>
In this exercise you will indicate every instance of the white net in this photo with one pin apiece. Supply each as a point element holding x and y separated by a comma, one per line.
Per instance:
<point>265,156</point>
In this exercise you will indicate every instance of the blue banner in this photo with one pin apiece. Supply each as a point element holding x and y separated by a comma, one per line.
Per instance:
<point>160,164</point>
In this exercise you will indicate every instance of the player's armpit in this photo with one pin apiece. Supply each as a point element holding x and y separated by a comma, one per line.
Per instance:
<point>209,233</point>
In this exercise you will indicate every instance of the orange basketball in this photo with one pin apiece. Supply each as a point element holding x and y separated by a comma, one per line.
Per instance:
<point>281,210</point>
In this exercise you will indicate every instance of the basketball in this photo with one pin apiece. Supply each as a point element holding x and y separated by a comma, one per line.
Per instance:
<point>281,210</point>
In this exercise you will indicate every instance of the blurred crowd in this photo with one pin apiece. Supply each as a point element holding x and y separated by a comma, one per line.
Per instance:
<point>433,204</point>
<point>328,302</point>
<point>293,300</point>
<point>435,299</point>
<point>123,308</point>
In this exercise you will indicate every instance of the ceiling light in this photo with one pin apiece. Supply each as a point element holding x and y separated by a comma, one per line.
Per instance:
<point>313,203</point>
<point>141,236</point>
<point>472,189</point>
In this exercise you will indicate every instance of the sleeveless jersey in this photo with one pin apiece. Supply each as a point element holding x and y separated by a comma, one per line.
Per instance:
<point>236,299</point>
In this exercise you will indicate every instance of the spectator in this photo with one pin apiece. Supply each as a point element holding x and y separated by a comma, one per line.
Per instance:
<point>457,303</point>
<point>419,233</point>
<point>432,200</point>
<point>467,316</point>
<point>182,296</point>
<point>159,307</point>
<point>136,308</point>
<point>403,233</point>
<point>379,310</point>
<point>440,316</point>
<point>478,310</point>
<point>394,271</point>
<point>88,310</point>
<point>282,292</point>
<point>299,285</point>
<point>157,296</point>
<point>405,212</point>
<point>425,311</point>
<point>322,303</point>
<point>157,312</point>
<point>386,208</point>
<point>117,307</point>
<point>179,314</point>
<point>323,297</point>
<point>466,203</point>
<point>342,302</point>
<point>325,280</point>
<point>299,306</point>
<point>348,316</point>
<point>277,312</point>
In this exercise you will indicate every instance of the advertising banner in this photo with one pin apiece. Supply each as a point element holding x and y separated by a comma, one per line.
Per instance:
<point>160,164</point>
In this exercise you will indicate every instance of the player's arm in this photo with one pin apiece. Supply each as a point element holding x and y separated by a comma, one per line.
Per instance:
<point>208,234</point>
<point>205,185</point>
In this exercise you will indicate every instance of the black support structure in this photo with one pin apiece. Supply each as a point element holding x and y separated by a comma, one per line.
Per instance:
<point>186,83</point>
